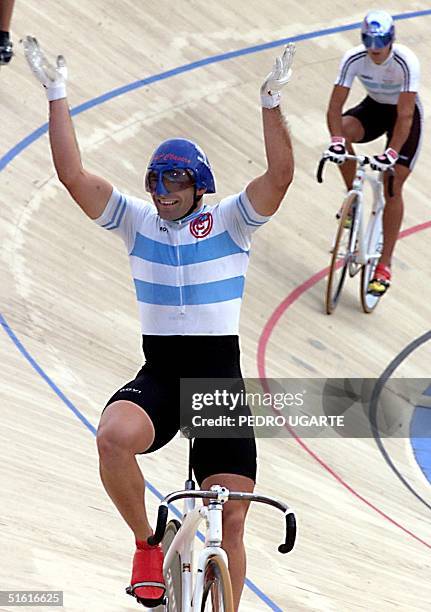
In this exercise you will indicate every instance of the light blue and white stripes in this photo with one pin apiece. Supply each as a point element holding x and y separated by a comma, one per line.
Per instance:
<point>186,282</point>
<point>190,295</point>
<point>248,218</point>
<point>117,215</point>
<point>214,247</point>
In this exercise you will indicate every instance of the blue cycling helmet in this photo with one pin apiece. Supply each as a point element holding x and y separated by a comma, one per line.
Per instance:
<point>185,154</point>
<point>377,30</point>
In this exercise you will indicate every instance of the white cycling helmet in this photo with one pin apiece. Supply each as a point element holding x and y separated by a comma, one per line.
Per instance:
<point>377,30</point>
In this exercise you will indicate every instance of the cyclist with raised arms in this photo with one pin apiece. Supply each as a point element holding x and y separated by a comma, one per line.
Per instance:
<point>390,74</point>
<point>188,263</point>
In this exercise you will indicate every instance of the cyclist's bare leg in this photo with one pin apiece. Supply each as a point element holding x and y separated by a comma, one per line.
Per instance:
<point>124,431</point>
<point>234,513</point>
<point>352,132</point>
<point>393,213</point>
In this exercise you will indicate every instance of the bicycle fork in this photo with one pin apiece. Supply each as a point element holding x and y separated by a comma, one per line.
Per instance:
<point>213,516</point>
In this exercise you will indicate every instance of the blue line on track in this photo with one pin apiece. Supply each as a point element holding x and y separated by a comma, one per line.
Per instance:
<point>92,429</point>
<point>36,134</point>
<point>28,140</point>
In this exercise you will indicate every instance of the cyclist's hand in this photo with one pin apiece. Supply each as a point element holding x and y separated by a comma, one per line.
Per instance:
<point>385,161</point>
<point>53,78</point>
<point>336,152</point>
<point>270,93</point>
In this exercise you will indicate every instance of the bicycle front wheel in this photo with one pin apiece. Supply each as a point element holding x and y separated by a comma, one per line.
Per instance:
<point>342,253</point>
<point>217,594</point>
<point>173,577</point>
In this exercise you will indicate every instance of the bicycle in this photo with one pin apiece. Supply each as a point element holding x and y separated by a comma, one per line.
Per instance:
<point>209,588</point>
<point>356,248</point>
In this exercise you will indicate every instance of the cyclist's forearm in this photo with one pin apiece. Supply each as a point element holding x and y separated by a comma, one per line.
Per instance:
<point>334,121</point>
<point>64,146</point>
<point>278,146</point>
<point>401,131</point>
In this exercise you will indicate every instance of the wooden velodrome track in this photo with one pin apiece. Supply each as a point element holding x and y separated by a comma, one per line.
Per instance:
<point>70,327</point>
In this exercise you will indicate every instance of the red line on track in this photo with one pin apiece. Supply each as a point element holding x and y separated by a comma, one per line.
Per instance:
<point>261,356</point>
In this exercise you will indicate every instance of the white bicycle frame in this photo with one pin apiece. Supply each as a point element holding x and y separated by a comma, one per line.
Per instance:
<point>367,237</point>
<point>183,545</point>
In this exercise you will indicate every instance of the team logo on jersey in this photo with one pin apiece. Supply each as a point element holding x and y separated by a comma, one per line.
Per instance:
<point>202,225</point>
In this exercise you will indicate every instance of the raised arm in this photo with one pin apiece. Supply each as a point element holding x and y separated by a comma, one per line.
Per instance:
<point>89,191</point>
<point>266,192</point>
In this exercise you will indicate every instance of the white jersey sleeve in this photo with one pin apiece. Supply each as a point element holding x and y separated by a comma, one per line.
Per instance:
<point>240,218</point>
<point>350,66</point>
<point>122,215</point>
<point>409,63</point>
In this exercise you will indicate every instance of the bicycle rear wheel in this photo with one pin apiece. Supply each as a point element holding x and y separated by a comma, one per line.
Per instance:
<point>342,254</point>
<point>217,594</point>
<point>369,302</point>
<point>173,577</point>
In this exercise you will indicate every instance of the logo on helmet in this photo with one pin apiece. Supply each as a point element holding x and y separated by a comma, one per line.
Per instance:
<point>171,157</point>
<point>202,225</point>
<point>183,153</point>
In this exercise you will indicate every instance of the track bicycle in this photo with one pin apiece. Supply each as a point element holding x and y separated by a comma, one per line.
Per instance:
<point>357,248</point>
<point>205,587</point>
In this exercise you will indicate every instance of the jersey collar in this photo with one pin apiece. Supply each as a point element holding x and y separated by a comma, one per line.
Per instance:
<point>204,208</point>
<point>388,59</point>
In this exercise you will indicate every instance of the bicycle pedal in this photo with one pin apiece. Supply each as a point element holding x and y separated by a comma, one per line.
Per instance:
<point>163,607</point>
<point>377,288</point>
<point>348,220</point>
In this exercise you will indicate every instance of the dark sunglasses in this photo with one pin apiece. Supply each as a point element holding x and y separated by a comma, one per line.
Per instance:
<point>379,41</point>
<point>173,180</point>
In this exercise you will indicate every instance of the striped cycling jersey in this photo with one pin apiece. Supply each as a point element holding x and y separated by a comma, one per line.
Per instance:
<point>189,275</point>
<point>400,72</point>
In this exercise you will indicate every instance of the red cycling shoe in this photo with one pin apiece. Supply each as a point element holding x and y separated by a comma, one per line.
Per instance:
<point>147,584</point>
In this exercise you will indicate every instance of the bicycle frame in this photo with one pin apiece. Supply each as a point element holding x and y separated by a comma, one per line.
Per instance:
<point>183,545</point>
<point>362,249</point>
<point>363,235</point>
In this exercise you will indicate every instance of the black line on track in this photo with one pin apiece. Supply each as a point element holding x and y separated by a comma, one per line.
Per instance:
<point>384,377</point>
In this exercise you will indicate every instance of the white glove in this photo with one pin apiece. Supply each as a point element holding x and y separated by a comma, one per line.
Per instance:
<point>385,161</point>
<point>53,78</point>
<point>270,94</point>
<point>336,151</point>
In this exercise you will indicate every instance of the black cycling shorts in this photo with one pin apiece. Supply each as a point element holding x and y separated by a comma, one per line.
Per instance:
<point>378,119</point>
<point>156,388</point>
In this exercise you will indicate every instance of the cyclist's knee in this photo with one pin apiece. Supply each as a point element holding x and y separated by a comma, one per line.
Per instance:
<point>119,437</point>
<point>233,522</point>
<point>396,192</point>
<point>352,129</point>
<point>112,444</point>
<point>398,180</point>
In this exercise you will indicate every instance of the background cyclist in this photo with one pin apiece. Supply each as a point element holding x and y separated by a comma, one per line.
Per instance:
<point>390,74</point>
<point>188,264</point>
